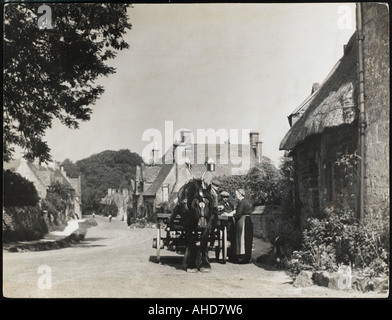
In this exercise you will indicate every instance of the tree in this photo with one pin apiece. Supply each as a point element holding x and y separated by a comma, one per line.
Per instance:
<point>107,169</point>
<point>18,191</point>
<point>50,73</point>
<point>264,182</point>
<point>109,209</point>
<point>70,168</point>
<point>58,199</point>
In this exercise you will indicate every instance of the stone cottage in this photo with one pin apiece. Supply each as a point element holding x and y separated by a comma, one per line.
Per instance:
<point>44,176</point>
<point>339,136</point>
<point>159,184</point>
<point>122,198</point>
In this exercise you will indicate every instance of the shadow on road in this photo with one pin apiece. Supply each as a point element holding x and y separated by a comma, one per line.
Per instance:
<point>265,265</point>
<point>171,261</point>
<point>176,261</point>
<point>89,243</point>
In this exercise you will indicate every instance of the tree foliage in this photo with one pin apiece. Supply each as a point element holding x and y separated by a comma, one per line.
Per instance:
<point>264,184</point>
<point>70,168</point>
<point>99,172</point>
<point>109,209</point>
<point>50,73</point>
<point>18,191</point>
<point>58,199</point>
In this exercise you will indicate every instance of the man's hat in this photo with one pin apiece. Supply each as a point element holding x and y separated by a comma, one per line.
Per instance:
<point>225,194</point>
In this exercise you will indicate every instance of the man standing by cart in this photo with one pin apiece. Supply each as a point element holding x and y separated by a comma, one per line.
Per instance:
<point>224,204</point>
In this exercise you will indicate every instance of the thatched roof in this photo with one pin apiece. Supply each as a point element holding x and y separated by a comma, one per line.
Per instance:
<point>332,105</point>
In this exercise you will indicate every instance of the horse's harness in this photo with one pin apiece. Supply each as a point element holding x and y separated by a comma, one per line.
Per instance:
<point>202,204</point>
<point>202,219</point>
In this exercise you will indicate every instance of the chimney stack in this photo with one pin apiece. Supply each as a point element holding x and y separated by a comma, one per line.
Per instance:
<point>315,87</point>
<point>187,137</point>
<point>155,154</point>
<point>63,171</point>
<point>256,145</point>
<point>259,151</point>
<point>254,138</point>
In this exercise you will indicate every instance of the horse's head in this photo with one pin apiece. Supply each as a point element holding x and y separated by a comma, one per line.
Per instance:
<point>200,202</point>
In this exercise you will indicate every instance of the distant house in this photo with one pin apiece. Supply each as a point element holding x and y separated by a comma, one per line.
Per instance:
<point>339,136</point>
<point>158,184</point>
<point>45,176</point>
<point>122,198</point>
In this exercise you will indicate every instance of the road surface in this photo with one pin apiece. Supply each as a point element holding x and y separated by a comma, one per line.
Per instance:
<point>117,262</point>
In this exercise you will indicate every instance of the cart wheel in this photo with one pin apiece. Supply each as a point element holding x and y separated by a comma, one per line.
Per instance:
<point>159,243</point>
<point>224,244</point>
<point>217,245</point>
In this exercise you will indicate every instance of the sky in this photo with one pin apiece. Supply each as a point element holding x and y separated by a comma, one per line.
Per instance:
<point>240,67</point>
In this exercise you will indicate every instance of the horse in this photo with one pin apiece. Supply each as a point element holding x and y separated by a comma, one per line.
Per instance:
<point>196,209</point>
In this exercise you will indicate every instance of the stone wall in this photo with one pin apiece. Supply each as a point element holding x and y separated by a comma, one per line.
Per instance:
<point>336,145</point>
<point>377,108</point>
<point>306,170</point>
<point>263,218</point>
<point>320,182</point>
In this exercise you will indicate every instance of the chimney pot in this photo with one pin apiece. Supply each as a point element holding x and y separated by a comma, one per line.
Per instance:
<point>315,87</point>
<point>254,138</point>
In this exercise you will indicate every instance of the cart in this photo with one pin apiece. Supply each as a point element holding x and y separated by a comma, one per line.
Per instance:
<point>174,239</point>
<point>223,238</point>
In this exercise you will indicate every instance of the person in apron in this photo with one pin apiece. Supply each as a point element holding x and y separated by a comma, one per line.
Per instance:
<point>242,246</point>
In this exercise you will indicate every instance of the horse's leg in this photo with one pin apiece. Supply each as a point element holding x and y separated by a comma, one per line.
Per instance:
<point>189,261</point>
<point>203,260</point>
<point>204,264</point>
<point>191,265</point>
<point>191,252</point>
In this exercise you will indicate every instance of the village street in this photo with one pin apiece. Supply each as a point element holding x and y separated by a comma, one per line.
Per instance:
<point>117,262</point>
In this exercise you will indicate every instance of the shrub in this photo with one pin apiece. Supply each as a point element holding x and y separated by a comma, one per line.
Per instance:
<point>18,191</point>
<point>58,199</point>
<point>288,232</point>
<point>51,208</point>
<point>142,222</point>
<point>338,239</point>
